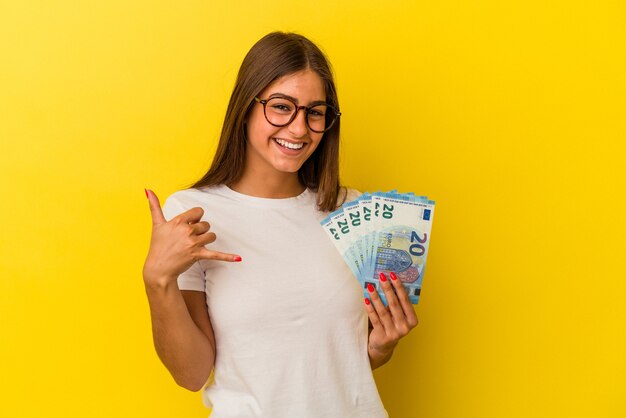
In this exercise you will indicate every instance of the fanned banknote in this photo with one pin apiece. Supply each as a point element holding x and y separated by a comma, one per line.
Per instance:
<point>384,232</point>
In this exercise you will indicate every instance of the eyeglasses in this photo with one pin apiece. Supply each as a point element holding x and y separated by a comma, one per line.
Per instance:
<point>281,111</point>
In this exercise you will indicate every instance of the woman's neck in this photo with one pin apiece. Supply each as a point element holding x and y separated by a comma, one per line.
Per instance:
<point>268,185</point>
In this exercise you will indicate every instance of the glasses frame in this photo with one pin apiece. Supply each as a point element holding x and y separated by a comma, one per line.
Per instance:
<point>293,116</point>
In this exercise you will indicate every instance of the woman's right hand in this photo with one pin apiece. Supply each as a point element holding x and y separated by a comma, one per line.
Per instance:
<point>177,244</point>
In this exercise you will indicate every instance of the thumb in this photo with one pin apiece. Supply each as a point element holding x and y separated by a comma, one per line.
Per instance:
<point>155,208</point>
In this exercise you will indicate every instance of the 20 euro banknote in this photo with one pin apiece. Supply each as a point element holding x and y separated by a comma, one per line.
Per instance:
<point>382,233</point>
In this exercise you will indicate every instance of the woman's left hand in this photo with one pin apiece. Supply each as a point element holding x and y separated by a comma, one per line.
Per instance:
<point>389,323</point>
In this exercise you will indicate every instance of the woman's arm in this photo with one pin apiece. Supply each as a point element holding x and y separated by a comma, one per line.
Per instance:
<point>182,333</point>
<point>181,328</point>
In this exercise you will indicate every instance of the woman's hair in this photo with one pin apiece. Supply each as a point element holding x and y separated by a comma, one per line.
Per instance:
<point>275,55</point>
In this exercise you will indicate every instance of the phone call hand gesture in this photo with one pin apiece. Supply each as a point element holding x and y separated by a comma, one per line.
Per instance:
<point>177,244</point>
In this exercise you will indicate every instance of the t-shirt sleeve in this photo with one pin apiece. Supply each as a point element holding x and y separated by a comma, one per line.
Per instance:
<point>193,278</point>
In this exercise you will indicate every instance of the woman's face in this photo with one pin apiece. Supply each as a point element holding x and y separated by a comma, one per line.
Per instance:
<point>264,151</point>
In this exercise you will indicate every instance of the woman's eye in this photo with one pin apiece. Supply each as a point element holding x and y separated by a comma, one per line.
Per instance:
<point>316,113</point>
<point>282,107</point>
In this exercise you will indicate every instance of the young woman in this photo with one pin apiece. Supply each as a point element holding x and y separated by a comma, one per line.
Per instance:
<point>259,299</point>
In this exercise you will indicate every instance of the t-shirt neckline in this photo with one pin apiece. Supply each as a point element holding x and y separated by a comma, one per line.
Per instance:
<point>302,198</point>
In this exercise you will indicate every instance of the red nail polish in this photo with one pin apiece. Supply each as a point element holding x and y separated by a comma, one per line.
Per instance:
<point>237,258</point>
<point>370,287</point>
<point>145,190</point>
<point>367,301</point>
<point>382,277</point>
<point>393,276</point>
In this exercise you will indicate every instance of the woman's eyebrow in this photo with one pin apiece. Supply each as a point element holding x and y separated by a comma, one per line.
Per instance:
<point>286,96</point>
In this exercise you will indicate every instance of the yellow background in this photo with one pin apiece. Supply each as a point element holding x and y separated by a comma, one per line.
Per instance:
<point>510,114</point>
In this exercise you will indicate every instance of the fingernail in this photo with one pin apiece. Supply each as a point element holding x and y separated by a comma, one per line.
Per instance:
<point>382,277</point>
<point>393,276</point>
<point>237,258</point>
<point>367,301</point>
<point>145,190</point>
<point>370,287</point>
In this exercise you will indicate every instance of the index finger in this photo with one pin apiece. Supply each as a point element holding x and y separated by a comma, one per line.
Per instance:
<point>217,255</point>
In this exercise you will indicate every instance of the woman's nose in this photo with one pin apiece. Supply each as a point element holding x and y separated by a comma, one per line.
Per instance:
<point>298,127</point>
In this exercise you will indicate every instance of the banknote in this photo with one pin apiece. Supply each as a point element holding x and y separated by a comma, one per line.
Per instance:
<point>333,233</point>
<point>401,242</point>
<point>347,222</point>
<point>383,232</point>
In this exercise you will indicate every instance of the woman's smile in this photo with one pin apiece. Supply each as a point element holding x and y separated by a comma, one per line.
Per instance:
<point>292,146</point>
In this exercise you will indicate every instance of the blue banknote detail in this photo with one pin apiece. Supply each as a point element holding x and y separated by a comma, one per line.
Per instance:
<point>392,259</point>
<point>407,259</point>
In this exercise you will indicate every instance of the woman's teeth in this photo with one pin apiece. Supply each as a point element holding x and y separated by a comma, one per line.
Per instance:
<point>289,144</point>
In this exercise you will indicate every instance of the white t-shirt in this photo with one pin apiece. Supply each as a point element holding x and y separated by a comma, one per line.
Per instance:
<point>289,320</point>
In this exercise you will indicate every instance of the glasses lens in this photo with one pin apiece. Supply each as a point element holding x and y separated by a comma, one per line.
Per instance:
<point>278,111</point>
<point>318,116</point>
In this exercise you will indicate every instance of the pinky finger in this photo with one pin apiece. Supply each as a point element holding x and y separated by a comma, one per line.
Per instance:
<point>216,255</point>
<point>372,314</point>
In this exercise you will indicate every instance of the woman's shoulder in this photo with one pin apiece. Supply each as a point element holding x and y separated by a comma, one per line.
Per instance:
<point>184,199</point>
<point>352,194</point>
<point>184,195</point>
<point>195,193</point>
<point>347,194</point>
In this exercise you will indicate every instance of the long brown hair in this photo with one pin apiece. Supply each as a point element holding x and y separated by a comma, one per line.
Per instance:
<point>275,55</point>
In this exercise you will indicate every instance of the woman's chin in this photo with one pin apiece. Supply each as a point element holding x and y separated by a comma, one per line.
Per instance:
<point>287,166</point>
<point>288,169</point>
